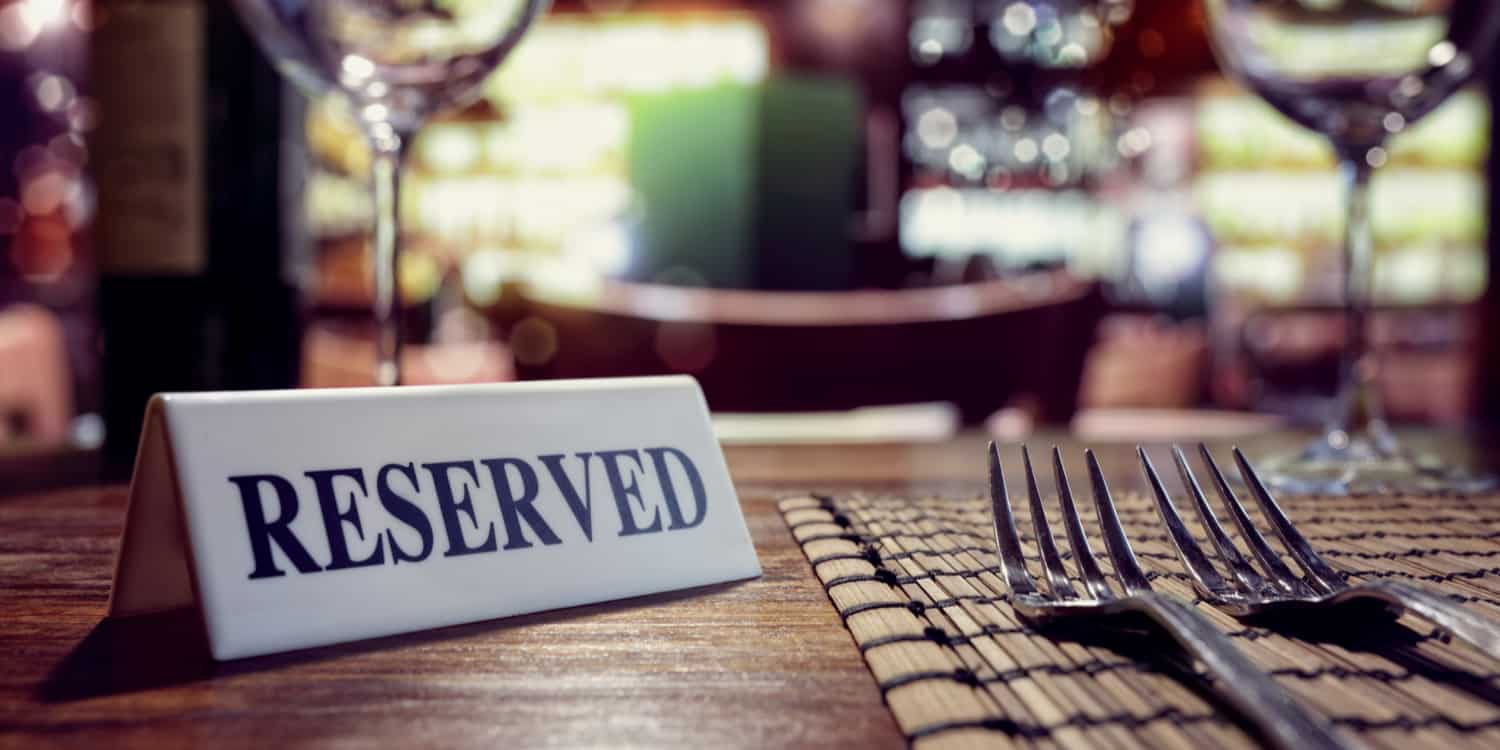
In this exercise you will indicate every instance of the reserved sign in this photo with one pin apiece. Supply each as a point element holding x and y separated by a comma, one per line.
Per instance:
<point>294,519</point>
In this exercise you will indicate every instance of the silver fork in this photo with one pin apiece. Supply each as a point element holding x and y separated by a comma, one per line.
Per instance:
<point>1279,590</point>
<point>1281,719</point>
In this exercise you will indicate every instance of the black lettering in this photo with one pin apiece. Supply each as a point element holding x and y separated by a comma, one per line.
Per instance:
<point>626,487</point>
<point>451,509</point>
<point>405,511</point>
<point>513,509</point>
<point>582,506</point>
<point>263,533</point>
<point>669,493</point>
<point>335,519</point>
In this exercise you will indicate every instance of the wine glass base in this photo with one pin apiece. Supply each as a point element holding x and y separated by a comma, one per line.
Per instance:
<point>1369,464</point>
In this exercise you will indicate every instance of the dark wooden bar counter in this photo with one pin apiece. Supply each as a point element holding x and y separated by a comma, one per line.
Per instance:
<point>763,663</point>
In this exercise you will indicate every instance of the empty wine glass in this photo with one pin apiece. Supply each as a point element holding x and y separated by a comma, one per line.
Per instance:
<point>398,61</point>
<point>1357,72</point>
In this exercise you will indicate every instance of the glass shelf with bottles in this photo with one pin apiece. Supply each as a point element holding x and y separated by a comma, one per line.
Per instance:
<point>1271,197</point>
<point>533,184</point>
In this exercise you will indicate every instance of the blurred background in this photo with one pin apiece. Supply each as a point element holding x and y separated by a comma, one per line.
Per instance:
<point>938,213</point>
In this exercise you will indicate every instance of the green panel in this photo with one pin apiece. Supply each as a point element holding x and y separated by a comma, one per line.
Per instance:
<point>810,140</point>
<point>692,162</point>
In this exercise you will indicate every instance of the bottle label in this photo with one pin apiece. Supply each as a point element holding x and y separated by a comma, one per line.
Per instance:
<point>149,74</point>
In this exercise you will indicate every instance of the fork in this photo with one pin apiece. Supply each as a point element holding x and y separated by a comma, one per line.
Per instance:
<point>1279,717</point>
<point>1280,591</point>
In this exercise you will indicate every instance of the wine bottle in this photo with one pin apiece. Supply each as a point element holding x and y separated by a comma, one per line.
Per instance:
<point>196,285</point>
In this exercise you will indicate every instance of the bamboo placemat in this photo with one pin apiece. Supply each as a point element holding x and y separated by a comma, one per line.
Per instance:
<point>914,581</point>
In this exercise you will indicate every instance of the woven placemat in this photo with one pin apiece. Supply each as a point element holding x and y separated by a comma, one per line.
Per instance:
<point>915,582</point>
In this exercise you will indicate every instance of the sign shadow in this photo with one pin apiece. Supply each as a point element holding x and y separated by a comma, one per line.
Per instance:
<point>169,649</point>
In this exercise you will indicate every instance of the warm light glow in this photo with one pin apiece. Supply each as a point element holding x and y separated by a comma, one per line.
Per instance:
<point>42,14</point>
<point>44,193</point>
<point>542,211</point>
<point>1169,247</point>
<point>448,148</point>
<point>567,138</point>
<point>1135,142</point>
<point>42,249</point>
<point>566,60</point>
<point>1271,273</point>
<point>1019,18</point>
<point>484,273</point>
<point>533,341</point>
<point>1279,229</point>
<point>23,21</point>
<point>606,248</point>
<point>1070,38</point>
<point>1056,146</point>
<point>1267,186</point>
<point>936,36</point>
<point>336,206</point>
<point>1370,48</point>
<point>1016,228</point>
<point>53,93</point>
<point>967,161</point>
<point>937,128</point>
<point>563,280</point>
<point>82,115</point>
<point>1026,150</point>
<point>355,69</point>
<point>17,32</point>
<point>420,277</point>
<point>541,195</point>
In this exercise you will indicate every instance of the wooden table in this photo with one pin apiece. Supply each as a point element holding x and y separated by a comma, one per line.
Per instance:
<point>755,664</point>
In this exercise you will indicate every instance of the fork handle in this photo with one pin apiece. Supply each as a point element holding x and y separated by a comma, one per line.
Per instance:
<point>1283,720</point>
<point>1464,623</point>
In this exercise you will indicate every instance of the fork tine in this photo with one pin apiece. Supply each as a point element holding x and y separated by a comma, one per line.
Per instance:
<point>1093,577</point>
<point>1127,568</point>
<point>1322,575</point>
<point>1270,561</point>
<point>1057,575</point>
<point>1188,551</point>
<point>1007,540</point>
<point>1248,579</point>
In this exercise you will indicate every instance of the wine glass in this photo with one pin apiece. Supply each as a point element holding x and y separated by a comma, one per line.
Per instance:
<point>398,62</point>
<point>1357,72</point>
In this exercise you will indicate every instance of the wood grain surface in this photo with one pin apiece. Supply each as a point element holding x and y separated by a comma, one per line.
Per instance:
<point>764,663</point>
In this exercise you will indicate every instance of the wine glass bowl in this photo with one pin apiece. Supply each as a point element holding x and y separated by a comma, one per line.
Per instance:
<point>398,61</point>
<point>1357,72</point>
<point>412,57</point>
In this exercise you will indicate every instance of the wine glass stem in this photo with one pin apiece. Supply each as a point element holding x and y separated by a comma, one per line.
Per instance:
<point>1358,410</point>
<point>389,149</point>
